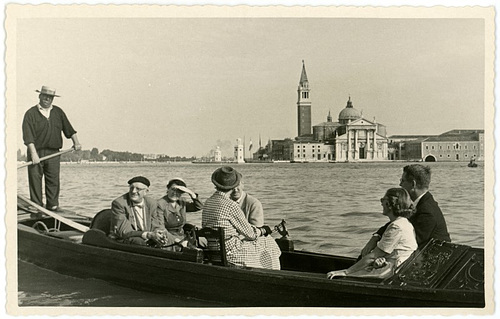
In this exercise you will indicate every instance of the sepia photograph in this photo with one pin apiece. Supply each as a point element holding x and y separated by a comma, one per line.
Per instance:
<point>249,159</point>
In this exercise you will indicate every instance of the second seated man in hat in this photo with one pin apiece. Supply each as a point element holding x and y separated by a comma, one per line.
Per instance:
<point>245,245</point>
<point>135,218</point>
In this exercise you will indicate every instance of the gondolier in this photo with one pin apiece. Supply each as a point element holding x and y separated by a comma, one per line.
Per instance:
<point>42,128</point>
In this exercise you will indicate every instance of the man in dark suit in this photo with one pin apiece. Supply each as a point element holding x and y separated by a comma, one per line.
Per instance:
<point>135,218</point>
<point>428,219</point>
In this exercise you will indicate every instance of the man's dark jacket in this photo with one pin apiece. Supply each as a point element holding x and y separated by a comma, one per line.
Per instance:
<point>428,221</point>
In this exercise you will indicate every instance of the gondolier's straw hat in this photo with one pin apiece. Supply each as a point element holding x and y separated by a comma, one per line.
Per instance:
<point>47,91</point>
<point>226,178</point>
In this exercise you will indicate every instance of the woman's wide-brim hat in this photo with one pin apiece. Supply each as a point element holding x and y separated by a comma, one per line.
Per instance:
<point>47,91</point>
<point>226,178</point>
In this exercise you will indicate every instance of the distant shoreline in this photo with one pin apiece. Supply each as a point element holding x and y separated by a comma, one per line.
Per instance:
<point>251,163</point>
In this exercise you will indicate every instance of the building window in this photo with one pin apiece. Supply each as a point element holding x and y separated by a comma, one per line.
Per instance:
<point>440,155</point>
<point>426,147</point>
<point>466,155</point>
<point>465,146</point>
<point>448,146</point>
<point>432,147</point>
<point>440,147</point>
<point>448,155</point>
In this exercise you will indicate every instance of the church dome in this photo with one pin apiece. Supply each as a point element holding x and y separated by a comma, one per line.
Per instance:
<point>349,113</point>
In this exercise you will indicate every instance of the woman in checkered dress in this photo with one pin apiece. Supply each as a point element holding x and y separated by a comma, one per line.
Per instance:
<point>245,245</point>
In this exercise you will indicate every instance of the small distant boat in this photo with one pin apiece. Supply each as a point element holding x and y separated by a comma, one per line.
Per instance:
<point>472,164</point>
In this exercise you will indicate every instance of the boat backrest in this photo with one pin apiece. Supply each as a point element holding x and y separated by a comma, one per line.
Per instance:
<point>102,221</point>
<point>214,248</point>
<point>442,265</point>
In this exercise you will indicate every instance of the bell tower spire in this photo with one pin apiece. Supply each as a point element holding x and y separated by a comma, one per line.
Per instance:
<point>303,104</point>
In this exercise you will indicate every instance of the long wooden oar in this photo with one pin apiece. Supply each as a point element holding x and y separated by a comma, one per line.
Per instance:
<point>65,220</point>
<point>46,157</point>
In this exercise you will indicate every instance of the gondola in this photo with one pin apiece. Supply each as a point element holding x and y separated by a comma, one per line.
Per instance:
<point>440,275</point>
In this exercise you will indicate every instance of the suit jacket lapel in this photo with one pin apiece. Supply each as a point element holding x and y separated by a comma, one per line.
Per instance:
<point>147,215</point>
<point>131,213</point>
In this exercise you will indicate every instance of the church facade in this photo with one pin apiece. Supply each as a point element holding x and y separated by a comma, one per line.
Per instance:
<point>351,138</point>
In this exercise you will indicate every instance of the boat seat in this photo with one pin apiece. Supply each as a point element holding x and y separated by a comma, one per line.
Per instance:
<point>102,221</point>
<point>71,235</point>
<point>215,250</point>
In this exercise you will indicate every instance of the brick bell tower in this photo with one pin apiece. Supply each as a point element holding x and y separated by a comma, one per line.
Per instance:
<point>303,104</point>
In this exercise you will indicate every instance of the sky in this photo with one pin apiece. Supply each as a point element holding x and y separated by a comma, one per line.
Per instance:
<point>181,86</point>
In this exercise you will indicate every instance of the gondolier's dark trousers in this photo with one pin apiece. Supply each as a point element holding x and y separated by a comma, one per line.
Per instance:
<point>50,168</point>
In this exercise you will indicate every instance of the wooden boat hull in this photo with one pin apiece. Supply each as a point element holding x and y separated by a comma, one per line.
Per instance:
<point>234,286</point>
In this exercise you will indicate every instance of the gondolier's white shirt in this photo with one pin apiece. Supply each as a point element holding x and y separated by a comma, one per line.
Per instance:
<point>45,112</point>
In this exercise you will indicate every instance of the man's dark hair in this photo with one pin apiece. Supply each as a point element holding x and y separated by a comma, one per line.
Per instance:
<point>419,173</point>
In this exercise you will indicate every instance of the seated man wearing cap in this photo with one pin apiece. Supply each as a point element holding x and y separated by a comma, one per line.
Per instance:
<point>135,218</point>
<point>174,205</point>
<point>245,245</point>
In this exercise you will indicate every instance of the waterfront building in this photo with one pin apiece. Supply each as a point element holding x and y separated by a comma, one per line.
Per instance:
<point>310,151</point>
<point>352,138</point>
<point>454,145</point>
<point>281,150</point>
<point>217,155</point>
<point>150,156</point>
<point>262,154</point>
<point>303,105</point>
<point>239,156</point>
<point>397,145</point>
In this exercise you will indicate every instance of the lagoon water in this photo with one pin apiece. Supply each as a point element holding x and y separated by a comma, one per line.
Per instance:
<point>329,207</point>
